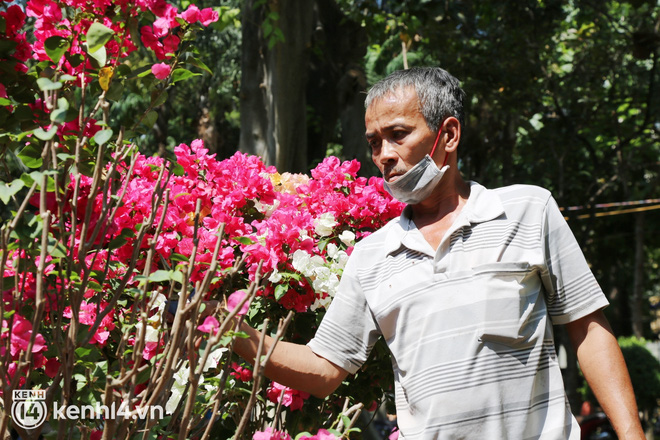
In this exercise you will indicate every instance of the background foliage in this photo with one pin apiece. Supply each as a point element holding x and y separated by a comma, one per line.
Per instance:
<point>561,93</point>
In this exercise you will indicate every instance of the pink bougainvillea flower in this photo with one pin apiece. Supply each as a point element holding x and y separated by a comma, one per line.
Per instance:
<point>209,325</point>
<point>235,299</point>
<point>150,350</point>
<point>323,434</point>
<point>161,27</point>
<point>161,70</point>
<point>208,16</point>
<point>14,19</point>
<point>87,315</point>
<point>270,434</point>
<point>294,399</point>
<point>241,373</point>
<point>21,334</point>
<point>192,14</point>
<point>52,367</point>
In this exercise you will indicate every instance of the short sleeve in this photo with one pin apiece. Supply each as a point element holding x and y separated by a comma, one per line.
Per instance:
<point>348,330</point>
<point>572,291</point>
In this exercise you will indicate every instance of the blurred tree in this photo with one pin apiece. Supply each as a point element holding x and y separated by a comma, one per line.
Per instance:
<point>301,79</point>
<point>561,93</point>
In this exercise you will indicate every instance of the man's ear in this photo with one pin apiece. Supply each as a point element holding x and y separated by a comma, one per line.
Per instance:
<point>452,132</point>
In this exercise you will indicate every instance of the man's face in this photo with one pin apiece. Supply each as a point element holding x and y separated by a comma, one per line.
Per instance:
<point>397,133</point>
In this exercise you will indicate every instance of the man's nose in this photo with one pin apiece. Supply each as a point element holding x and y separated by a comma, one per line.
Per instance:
<point>387,152</point>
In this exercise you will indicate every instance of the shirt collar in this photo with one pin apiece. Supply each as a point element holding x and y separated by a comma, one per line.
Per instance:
<point>483,205</point>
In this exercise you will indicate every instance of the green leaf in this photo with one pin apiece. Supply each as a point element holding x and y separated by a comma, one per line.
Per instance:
<point>178,257</point>
<point>56,47</point>
<point>182,74</point>
<point>46,84</point>
<point>160,276</point>
<point>31,154</point>
<point>59,114</point>
<point>117,242</point>
<point>99,57</point>
<point>103,136</point>
<point>176,275</point>
<point>75,59</point>
<point>115,91</point>
<point>56,249</point>
<point>323,243</point>
<point>9,189</point>
<point>88,353</point>
<point>144,71</point>
<point>123,70</point>
<point>150,119</point>
<point>198,63</point>
<point>94,286</point>
<point>244,240</point>
<point>97,35</point>
<point>34,176</point>
<point>143,375</point>
<point>24,113</point>
<point>8,283</point>
<point>44,136</point>
<point>280,291</point>
<point>158,98</point>
<point>177,169</point>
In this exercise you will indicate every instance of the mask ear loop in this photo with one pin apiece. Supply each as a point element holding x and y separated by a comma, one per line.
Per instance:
<point>437,139</point>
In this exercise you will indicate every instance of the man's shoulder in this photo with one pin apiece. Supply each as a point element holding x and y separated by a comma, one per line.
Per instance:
<point>521,193</point>
<point>380,240</point>
<point>381,235</point>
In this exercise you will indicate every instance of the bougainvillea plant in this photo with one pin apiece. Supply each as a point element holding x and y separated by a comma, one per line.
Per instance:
<point>112,262</point>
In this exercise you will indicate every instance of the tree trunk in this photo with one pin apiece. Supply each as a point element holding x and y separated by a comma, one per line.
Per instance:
<point>253,95</point>
<point>638,283</point>
<point>274,74</point>
<point>337,84</point>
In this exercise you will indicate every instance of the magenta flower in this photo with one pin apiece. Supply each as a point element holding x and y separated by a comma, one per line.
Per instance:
<point>20,337</point>
<point>323,434</point>
<point>208,16</point>
<point>210,325</point>
<point>270,434</point>
<point>235,299</point>
<point>192,14</point>
<point>294,399</point>
<point>161,70</point>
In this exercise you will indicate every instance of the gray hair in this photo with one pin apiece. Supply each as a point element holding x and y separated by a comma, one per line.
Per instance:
<point>439,93</point>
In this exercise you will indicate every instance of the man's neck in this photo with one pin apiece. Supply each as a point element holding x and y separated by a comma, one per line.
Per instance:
<point>435,215</point>
<point>447,200</point>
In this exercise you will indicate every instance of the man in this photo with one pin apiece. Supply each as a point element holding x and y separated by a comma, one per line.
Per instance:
<point>464,287</point>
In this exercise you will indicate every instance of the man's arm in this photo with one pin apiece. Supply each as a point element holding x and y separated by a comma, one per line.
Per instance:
<point>604,368</point>
<point>293,365</point>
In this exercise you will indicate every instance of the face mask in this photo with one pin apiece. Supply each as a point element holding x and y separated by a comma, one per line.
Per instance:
<point>419,181</point>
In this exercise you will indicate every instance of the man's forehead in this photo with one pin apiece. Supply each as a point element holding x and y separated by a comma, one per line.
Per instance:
<point>399,103</point>
<point>397,95</point>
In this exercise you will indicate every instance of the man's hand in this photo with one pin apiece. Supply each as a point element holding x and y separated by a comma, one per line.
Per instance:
<point>604,368</point>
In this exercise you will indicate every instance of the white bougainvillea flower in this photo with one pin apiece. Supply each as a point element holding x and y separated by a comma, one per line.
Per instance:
<point>324,224</point>
<point>348,238</point>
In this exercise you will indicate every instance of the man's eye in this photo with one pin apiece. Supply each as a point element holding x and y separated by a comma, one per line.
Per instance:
<point>399,134</point>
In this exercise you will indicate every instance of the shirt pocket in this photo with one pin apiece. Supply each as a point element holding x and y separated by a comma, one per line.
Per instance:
<point>509,311</point>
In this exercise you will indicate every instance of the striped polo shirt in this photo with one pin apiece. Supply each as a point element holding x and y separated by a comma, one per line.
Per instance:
<point>469,326</point>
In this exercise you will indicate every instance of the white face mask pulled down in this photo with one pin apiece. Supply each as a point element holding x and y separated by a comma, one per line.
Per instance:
<point>419,181</point>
